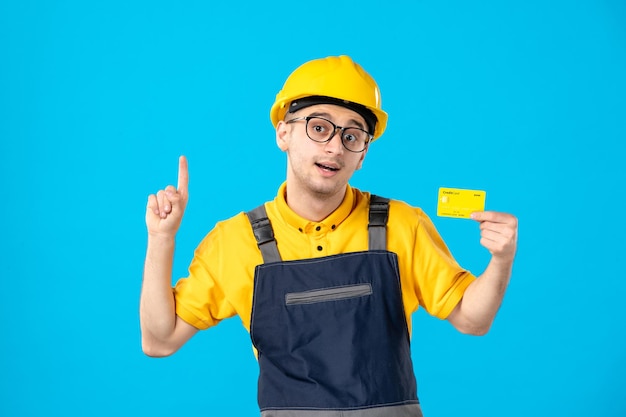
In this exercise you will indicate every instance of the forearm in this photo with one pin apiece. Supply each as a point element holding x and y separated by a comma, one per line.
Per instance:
<point>157,306</point>
<point>477,309</point>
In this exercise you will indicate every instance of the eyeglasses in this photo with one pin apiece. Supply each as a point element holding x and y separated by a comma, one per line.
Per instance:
<point>322,130</point>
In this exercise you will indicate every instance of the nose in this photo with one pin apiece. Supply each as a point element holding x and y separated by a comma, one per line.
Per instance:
<point>334,144</point>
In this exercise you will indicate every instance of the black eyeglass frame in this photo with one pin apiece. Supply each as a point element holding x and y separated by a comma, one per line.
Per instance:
<point>335,128</point>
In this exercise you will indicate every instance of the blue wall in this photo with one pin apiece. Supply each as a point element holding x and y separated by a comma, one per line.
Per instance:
<point>526,100</point>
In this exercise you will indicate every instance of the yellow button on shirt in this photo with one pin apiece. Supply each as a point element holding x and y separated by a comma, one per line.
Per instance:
<point>221,274</point>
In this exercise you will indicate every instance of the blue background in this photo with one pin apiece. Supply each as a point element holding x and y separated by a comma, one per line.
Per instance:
<point>526,100</point>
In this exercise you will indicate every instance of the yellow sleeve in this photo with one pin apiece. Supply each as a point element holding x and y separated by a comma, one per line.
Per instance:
<point>221,276</point>
<point>430,276</point>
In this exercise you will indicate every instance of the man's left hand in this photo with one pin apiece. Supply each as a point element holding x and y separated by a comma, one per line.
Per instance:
<point>498,233</point>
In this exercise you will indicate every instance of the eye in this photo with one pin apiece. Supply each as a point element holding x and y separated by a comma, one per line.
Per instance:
<point>354,135</point>
<point>318,128</point>
<point>349,137</point>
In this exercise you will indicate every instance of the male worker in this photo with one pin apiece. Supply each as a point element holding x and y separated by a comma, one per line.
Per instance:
<point>325,277</point>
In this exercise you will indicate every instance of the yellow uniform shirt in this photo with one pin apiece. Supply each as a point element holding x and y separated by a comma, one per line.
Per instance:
<point>221,274</point>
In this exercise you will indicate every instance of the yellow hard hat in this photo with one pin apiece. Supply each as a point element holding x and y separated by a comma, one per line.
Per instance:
<point>339,79</point>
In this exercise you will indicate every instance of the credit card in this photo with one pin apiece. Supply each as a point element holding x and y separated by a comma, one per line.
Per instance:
<point>460,203</point>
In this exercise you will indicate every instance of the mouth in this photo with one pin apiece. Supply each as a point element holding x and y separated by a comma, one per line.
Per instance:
<point>328,168</point>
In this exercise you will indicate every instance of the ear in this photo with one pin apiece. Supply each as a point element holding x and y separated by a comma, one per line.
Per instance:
<point>282,135</point>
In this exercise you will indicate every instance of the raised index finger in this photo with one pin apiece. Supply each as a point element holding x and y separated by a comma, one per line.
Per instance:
<point>183,175</point>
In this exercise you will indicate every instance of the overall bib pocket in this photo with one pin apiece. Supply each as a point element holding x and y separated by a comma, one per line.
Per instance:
<point>328,294</point>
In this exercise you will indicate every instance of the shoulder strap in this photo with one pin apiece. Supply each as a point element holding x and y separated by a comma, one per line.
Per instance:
<point>262,229</point>
<point>264,234</point>
<point>377,227</point>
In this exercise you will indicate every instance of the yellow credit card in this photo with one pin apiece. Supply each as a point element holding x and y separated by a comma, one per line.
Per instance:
<point>460,203</point>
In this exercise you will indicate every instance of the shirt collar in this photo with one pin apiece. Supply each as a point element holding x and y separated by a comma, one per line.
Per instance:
<point>333,220</point>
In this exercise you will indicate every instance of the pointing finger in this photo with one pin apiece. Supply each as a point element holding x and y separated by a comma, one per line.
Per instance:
<point>183,176</point>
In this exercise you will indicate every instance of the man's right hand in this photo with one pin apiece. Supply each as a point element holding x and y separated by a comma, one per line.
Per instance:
<point>162,331</point>
<point>165,209</point>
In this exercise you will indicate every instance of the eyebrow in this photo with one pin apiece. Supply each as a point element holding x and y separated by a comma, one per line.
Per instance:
<point>328,116</point>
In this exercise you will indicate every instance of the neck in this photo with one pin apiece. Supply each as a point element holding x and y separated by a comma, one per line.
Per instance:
<point>311,206</point>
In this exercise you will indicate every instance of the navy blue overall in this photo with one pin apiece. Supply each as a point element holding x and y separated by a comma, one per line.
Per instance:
<point>331,332</point>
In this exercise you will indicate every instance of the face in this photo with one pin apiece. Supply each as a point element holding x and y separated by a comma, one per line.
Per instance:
<point>321,170</point>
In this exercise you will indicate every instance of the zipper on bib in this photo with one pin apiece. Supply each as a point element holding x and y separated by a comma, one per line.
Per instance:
<point>328,294</point>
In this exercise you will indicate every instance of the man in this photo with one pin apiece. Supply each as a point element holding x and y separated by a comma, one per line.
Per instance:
<point>325,277</point>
